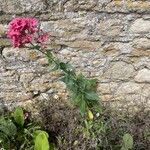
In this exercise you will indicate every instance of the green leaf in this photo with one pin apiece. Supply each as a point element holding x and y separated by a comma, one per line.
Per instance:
<point>98,108</point>
<point>92,84</point>
<point>91,95</point>
<point>7,127</point>
<point>83,106</point>
<point>66,67</point>
<point>69,81</point>
<point>41,141</point>
<point>37,132</point>
<point>63,66</point>
<point>123,148</point>
<point>76,98</point>
<point>82,82</point>
<point>19,116</point>
<point>49,57</point>
<point>127,141</point>
<point>4,141</point>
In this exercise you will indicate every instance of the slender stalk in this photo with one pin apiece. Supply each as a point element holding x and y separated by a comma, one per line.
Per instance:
<point>41,50</point>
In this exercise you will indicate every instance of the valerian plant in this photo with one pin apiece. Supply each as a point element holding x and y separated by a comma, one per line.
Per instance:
<point>25,32</point>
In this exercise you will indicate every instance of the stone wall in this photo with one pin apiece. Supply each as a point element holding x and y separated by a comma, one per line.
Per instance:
<point>105,39</point>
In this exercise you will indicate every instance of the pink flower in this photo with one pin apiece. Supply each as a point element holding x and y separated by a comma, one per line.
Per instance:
<point>24,30</point>
<point>42,38</point>
<point>21,30</point>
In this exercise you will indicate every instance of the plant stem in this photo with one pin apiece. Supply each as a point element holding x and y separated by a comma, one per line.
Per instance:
<point>41,50</point>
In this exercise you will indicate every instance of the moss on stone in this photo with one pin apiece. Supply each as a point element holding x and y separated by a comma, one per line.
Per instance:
<point>4,42</point>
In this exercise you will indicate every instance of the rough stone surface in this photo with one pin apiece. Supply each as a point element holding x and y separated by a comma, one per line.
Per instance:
<point>141,43</point>
<point>2,30</point>
<point>143,76</point>
<point>140,26</point>
<point>105,39</point>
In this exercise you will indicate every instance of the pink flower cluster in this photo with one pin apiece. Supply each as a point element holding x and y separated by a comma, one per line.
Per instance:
<point>24,30</point>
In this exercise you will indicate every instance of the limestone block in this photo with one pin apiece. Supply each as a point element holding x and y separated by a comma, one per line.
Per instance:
<point>119,71</point>
<point>143,76</point>
<point>141,43</point>
<point>140,26</point>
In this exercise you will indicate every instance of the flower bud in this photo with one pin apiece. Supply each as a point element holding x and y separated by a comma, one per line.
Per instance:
<point>90,115</point>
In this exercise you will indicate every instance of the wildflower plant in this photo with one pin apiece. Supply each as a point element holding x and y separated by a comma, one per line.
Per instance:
<point>24,31</point>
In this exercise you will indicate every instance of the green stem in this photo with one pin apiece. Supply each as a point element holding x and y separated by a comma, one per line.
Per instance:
<point>52,58</point>
<point>41,50</point>
<point>71,78</point>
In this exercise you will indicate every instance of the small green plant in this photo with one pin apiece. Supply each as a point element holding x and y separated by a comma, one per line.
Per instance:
<point>41,140</point>
<point>127,143</point>
<point>18,116</point>
<point>16,133</point>
<point>82,90</point>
